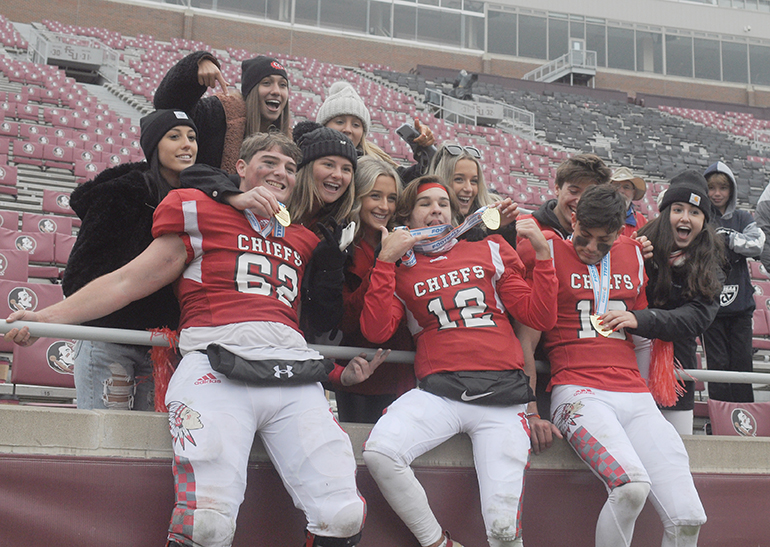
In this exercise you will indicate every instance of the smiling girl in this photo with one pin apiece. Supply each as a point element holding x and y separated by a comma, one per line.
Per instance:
<point>116,209</point>
<point>461,167</point>
<point>377,192</point>
<point>324,190</point>
<point>685,279</point>
<point>226,118</point>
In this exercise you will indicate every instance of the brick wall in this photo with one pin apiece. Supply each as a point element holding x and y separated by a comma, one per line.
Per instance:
<point>166,22</point>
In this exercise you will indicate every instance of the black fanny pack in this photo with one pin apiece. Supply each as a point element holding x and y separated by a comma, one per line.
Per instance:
<point>486,387</point>
<point>269,371</point>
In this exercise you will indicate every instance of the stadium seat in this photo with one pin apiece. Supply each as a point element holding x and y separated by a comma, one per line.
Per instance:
<point>19,295</point>
<point>38,245</point>
<point>63,247</point>
<point>8,179</point>
<point>760,329</point>
<point>758,270</point>
<point>28,153</point>
<point>743,419</point>
<point>14,265</point>
<point>45,224</point>
<point>47,362</point>
<point>9,220</point>
<point>57,202</point>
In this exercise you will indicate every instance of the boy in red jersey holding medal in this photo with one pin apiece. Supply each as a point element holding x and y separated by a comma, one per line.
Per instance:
<point>600,402</point>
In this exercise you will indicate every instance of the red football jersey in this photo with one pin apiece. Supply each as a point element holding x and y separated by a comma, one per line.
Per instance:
<point>456,303</point>
<point>577,353</point>
<point>233,274</point>
<point>526,252</point>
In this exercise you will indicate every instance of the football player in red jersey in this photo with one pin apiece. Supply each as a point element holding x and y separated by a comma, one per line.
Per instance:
<point>237,279</point>
<point>456,298</point>
<point>600,402</point>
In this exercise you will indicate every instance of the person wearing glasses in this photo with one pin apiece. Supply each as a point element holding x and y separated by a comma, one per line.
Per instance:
<point>461,167</point>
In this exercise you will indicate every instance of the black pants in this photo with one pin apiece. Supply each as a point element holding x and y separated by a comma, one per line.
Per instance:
<point>728,347</point>
<point>364,409</point>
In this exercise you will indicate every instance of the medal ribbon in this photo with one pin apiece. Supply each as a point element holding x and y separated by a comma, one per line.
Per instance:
<point>264,226</point>
<point>442,237</point>
<point>601,285</point>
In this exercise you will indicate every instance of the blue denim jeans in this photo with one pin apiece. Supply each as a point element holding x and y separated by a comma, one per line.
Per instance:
<point>113,376</point>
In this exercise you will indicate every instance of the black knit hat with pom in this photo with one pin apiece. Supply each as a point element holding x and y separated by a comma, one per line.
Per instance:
<point>317,141</point>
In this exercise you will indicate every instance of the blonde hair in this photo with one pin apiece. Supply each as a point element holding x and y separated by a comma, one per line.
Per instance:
<point>369,169</point>
<point>305,200</point>
<point>444,165</point>
<point>254,118</point>
<point>409,198</point>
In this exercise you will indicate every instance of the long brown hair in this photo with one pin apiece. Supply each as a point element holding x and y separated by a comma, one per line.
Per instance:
<point>254,118</point>
<point>305,199</point>
<point>704,258</point>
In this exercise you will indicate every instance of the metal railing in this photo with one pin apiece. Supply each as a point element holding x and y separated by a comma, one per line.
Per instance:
<point>145,338</point>
<point>482,111</point>
<point>575,59</point>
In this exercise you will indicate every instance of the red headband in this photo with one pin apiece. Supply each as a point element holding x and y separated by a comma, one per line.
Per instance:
<point>428,185</point>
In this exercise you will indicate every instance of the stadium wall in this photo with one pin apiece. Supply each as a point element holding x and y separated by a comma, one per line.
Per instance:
<point>221,31</point>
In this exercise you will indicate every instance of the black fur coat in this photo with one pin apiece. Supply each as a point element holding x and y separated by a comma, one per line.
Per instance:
<point>116,209</point>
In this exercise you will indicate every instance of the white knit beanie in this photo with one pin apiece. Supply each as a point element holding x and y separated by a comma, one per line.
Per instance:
<point>343,100</point>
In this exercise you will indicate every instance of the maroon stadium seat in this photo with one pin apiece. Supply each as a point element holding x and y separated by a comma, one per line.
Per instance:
<point>47,362</point>
<point>744,419</point>
<point>45,224</point>
<point>38,245</point>
<point>14,265</point>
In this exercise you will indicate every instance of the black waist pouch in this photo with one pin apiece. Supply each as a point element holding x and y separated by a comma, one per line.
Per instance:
<point>486,387</point>
<point>269,371</point>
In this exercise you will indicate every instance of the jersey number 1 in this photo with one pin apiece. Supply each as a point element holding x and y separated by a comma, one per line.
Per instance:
<point>587,329</point>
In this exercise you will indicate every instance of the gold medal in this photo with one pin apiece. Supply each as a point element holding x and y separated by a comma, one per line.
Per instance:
<point>601,329</point>
<point>283,216</point>
<point>491,218</point>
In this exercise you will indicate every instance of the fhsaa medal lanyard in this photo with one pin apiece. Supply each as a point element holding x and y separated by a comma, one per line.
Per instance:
<point>265,226</point>
<point>601,288</point>
<point>444,237</point>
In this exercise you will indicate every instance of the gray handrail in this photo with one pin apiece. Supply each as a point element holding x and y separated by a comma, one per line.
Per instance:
<point>145,338</point>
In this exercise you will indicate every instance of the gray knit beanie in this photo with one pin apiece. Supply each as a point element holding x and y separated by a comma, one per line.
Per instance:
<point>344,100</point>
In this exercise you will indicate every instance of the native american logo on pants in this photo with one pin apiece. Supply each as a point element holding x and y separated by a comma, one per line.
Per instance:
<point>181,420</point>
<point>565,415</point>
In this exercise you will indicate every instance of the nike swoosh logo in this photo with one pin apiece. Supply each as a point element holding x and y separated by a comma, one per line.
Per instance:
<point>466,397</point>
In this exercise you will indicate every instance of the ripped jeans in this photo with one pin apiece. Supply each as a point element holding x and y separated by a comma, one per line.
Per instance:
<point>113,376</point>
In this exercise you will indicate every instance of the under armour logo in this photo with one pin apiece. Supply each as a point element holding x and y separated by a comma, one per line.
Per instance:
<point>280,372</point>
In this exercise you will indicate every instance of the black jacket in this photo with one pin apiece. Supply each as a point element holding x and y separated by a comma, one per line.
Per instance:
<point>116,209</point>
<point>681,321</point>
<point>180,89</point>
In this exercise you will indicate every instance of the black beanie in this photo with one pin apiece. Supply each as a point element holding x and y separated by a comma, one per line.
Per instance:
<point>317,141</point>
<point>688,187</point>
<point>156,124</point>
<point>253,70</point>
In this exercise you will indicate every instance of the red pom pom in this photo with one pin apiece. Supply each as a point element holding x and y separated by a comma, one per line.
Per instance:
<point>164,361</point>
<point>664,385</point>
